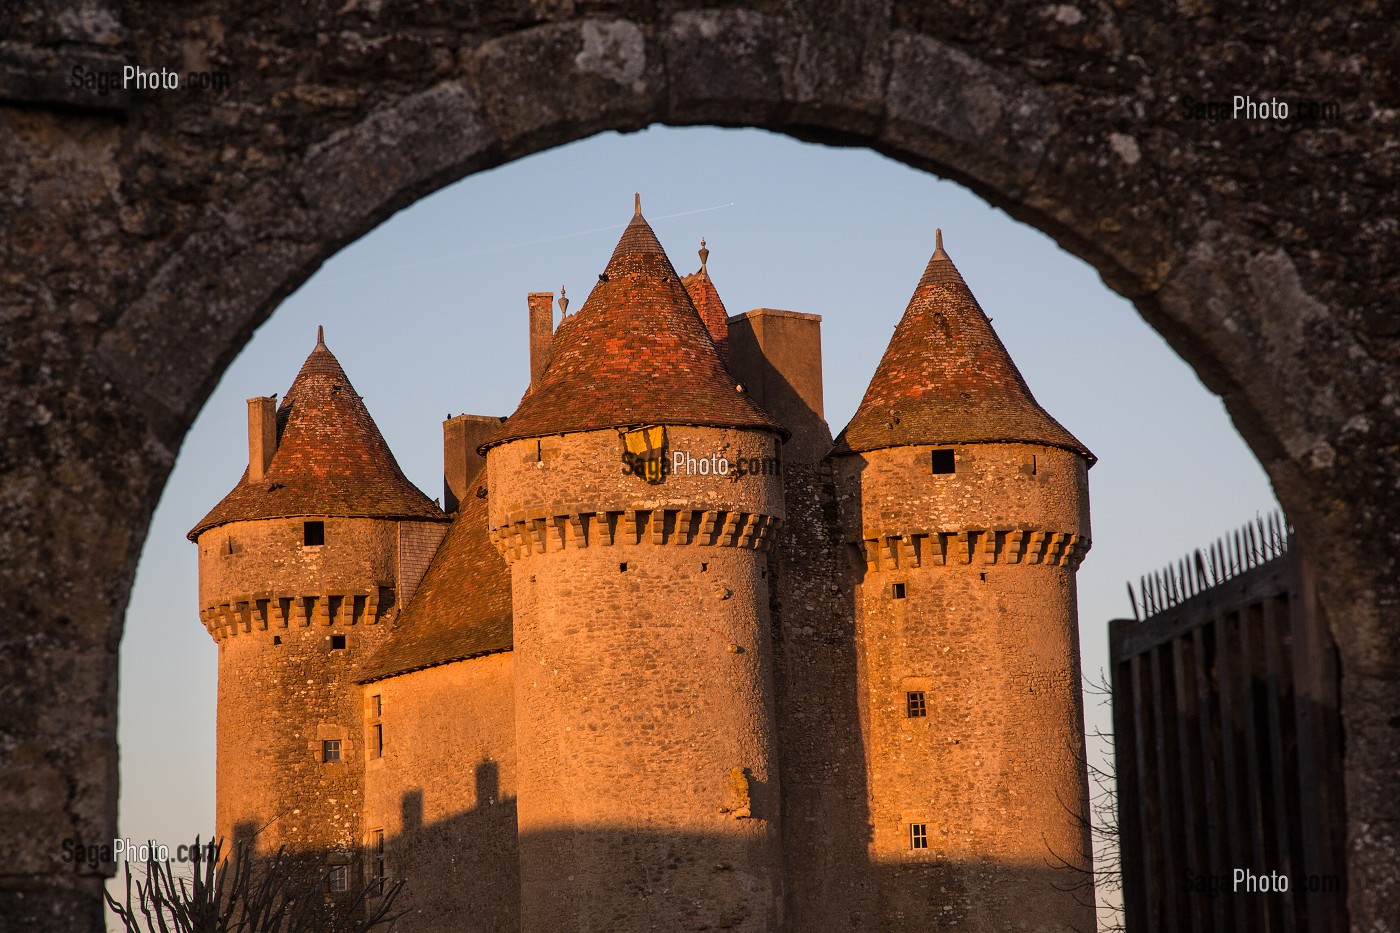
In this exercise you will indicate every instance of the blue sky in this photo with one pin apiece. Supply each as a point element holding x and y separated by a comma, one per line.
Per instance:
<point>427,314</point>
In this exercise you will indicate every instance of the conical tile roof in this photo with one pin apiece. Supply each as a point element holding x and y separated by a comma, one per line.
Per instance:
<point>946,378</point>
<point>331,459</point>
<point>636,353</point>
<point>705,297</point>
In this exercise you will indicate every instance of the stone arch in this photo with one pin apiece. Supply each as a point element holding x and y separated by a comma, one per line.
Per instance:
<point>152,236</point>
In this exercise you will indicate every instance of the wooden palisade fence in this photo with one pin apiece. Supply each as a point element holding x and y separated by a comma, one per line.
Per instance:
<point>1228,745</point>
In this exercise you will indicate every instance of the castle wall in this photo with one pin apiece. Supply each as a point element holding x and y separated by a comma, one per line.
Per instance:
<point>985,628</point>
<point>995,486</point>
<point>443,794</point>
<point>649,799</point>
<point>820,698</point>
<point>277,704</point>
<point>261,557</point>
<point>276,607</point>
<point>583,473</point>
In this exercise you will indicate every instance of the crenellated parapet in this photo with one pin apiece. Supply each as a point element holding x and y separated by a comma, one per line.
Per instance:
<point>263,611</point>
<point>892,551</point>
<point>547,530</point>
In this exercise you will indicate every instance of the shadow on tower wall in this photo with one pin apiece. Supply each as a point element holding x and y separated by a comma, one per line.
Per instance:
<point>458,873</point>
<point>826,818</point>
<point>462,872</point>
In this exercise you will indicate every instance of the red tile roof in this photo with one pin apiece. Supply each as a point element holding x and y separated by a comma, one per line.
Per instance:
<point>946,378</point>
<point>636,353</point>
<point>331,459</point>
<point>461,608</point>
<point>706,299</point>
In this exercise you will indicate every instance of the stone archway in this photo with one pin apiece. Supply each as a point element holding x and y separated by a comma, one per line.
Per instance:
<point>148,233</point>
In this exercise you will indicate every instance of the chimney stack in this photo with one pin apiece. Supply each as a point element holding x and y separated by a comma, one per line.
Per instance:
<point>262,436</point>
<point>461,464</point>
<point>777,355</point>
<point>541,334</point>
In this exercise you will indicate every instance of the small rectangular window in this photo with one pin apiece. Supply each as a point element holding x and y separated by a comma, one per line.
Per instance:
<point>376,706</point>
<point>896,591</point>
<point>337,642</point>
<point>313,534</point>
<point>376,741</point>
<point>376,854</point>
<point>915,704</point>
<point>330,750</point>
<point>943,461</point>
<point>338,878</point>
<point>918,835</point>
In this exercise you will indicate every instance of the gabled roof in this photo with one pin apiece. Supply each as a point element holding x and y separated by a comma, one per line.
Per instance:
<point>946,378</point>
<point>635,353</point>
<point>707,302</point>
<point>331,459</point>
<point>461,608</point>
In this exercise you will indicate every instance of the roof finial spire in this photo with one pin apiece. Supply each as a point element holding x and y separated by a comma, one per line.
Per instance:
<point>320,335</point>
<point>937,240</point>
<point>637,204</point>
<point>563,302</point>
<point>704,254</point>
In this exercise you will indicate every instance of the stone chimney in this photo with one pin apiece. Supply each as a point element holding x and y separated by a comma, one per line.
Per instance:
<point>461,436</point>
<point>262,436</point>
<point>777,356</point>
<point>541,334</point>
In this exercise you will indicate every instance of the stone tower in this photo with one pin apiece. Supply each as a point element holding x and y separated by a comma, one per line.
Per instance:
<point>300,566</point>
<point>968,505</point>
<point>647,776</point>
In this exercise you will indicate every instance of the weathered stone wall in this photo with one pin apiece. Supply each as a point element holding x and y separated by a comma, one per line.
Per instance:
<point>276,607</point>
<point>268,557</point>
<point>156,227</point>
<point>648,797</point>
<point>831,887</point>
<point>584,473</point>
<point>277,704</point>
<point>1003,487</point>
<point>444,794</point>
<point>984,628</point>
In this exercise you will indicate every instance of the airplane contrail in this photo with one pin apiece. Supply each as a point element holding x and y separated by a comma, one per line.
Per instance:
<point>501,249</point>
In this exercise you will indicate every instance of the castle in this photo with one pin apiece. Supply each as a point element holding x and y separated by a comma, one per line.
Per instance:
<point>667,657</point>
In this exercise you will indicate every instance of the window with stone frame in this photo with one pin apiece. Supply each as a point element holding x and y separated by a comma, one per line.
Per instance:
<point>375,711</point>
<point>377,866</point>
